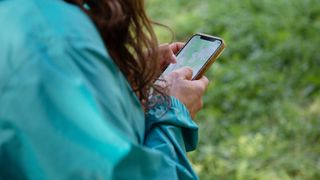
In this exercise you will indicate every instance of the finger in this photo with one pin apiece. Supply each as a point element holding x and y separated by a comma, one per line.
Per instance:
<point>185,73</point>
<point>172,58</point>
<point>204,80</point>
<point>163,45</point>
<point>167,54</point>
<point>202,83</point>
<point>163,48</point>
<point>175,47</point>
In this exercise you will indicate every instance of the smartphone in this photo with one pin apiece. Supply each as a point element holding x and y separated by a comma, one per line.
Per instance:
<point>199,53</point>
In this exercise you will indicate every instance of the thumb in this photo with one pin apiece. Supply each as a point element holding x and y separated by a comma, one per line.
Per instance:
<point>185,73</point>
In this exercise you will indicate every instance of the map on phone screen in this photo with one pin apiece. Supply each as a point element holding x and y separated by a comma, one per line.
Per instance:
<point>194,55</point>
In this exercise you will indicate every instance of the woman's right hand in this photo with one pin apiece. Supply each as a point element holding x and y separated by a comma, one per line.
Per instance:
<point>188,91</point>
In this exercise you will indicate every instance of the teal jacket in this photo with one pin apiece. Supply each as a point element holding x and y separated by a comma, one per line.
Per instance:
<point>66,110</point>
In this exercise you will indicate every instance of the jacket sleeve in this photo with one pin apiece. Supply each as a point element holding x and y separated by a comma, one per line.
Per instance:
<point>52,127</point>
<point>170,132</point>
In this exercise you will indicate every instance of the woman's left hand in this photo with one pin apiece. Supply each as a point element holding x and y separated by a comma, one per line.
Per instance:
<point>168,53</point>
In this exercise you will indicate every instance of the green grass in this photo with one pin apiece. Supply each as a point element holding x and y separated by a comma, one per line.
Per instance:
<point>261,118</point>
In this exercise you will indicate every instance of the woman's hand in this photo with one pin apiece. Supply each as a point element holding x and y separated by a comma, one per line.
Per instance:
<point>188,91</point>
<point>168,53</point>
<point>179,82</point>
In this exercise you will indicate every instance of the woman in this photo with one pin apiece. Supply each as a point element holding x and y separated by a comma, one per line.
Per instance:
<point>75,81</point>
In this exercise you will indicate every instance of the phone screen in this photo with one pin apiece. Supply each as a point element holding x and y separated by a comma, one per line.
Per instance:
<point>195,54</point>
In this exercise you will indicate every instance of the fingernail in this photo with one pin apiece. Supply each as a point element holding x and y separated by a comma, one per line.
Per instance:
<point>173,59</point>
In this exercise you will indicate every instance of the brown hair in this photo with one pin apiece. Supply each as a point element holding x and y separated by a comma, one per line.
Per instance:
<point>129,37</point>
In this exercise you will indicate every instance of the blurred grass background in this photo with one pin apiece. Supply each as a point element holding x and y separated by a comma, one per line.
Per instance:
<point>261,118</point>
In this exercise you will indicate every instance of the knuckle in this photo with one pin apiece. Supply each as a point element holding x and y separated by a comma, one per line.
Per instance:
<point>175,74</point>
<point>189,70</point>
<point>165,46</point>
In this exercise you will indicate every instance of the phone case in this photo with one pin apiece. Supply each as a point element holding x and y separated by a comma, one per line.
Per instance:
<point>212,59</point>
